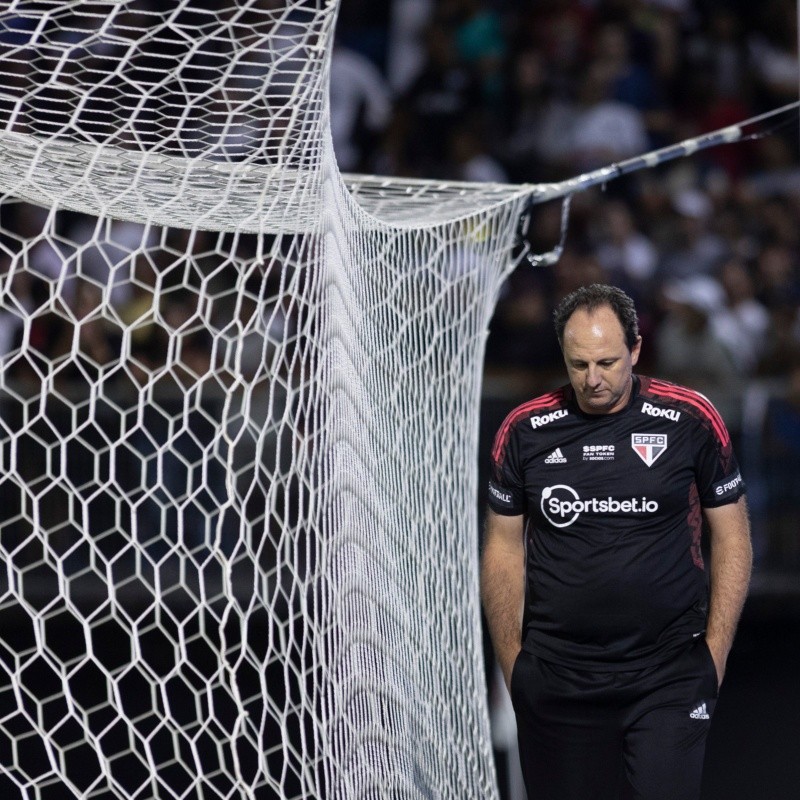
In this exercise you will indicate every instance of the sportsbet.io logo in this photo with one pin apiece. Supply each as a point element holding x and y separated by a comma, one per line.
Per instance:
<point>562,505</point>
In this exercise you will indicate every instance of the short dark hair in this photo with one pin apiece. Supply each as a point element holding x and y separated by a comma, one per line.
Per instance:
<point>596,296</point>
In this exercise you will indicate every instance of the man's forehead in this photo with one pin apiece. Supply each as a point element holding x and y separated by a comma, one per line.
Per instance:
<point>591,327</point>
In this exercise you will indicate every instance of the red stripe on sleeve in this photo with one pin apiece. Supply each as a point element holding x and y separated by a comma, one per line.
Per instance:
<point>701,403</point>
<point>544,401</point>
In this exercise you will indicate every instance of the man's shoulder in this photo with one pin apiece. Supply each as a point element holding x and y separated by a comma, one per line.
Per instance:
<point>549,403</point>
<point>665,398</point>
<point>658,390</point>
<point>537,412</point>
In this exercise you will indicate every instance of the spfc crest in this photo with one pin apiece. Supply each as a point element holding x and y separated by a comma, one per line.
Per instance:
<point>649,446</point>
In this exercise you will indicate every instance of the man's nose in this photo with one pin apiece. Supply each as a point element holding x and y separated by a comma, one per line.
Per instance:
<point>593,376</point>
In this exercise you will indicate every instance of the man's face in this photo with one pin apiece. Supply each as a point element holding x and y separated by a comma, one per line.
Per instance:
<point>599,363</point>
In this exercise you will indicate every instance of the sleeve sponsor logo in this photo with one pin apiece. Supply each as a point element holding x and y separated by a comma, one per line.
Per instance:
<point>500,495</point>
<point>649,446</point>
<point>546,419</point>
<point>562,505</point>
<point>655,411</point>
<point>728,486</point>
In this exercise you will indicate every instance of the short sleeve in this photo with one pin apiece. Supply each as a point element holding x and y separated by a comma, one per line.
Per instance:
<point>506,493</point>
<point>719,479</point>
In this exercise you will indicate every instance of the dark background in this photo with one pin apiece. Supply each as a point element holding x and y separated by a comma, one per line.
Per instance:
<point>755,737</point>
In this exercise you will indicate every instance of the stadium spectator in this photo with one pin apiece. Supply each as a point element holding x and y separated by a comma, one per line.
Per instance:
<point>782,348</point>
<point>628,256</point>
<point>536,117</point>
<point>470,160</point>
<point>777,274</point>
<point>603,130</point>
<point>633,81</point>
<point>522,350</point>
<point>443,98</point>
<point>773,52</point>
<point>360,107</point>
<point>689,349</point>
<point>405,51</point>
<point>742,322</point>
<point>696,248</point>
<point>480,43</point>
<point>780,450</point>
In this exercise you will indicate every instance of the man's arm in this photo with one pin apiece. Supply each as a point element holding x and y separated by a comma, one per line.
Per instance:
<point>731,562</point>
<point>503,586</point>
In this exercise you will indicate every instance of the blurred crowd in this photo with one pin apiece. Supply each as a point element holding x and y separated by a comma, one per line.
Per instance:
<point>708,245</point>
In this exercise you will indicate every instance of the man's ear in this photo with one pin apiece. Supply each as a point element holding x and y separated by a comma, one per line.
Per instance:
<point>635,350</point>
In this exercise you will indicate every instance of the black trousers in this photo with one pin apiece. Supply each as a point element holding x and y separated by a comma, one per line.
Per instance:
<point>638,735</point>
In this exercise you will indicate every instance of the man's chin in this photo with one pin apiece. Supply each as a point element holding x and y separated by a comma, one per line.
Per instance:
<point>599,403</point>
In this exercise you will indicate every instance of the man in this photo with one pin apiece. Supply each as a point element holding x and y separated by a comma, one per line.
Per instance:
<point>592,575</point>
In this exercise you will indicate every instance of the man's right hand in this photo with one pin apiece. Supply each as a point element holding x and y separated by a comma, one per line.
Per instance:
<point>503,586</point>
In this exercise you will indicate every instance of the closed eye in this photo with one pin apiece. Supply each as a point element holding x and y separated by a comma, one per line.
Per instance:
<point>605,364</point>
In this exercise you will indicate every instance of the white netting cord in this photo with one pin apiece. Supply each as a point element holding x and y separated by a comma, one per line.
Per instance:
<point>403,541</point>
<point>109,107</point>
<point>273,621</point>
<point>224,130</point>
<point>145,586</point>
<point>228,81</point>
<point>238,416</point>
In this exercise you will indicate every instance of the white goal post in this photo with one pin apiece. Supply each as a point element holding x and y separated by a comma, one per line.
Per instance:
<point>238,421</point>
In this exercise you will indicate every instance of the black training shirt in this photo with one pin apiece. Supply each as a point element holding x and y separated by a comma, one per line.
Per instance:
<point>612,505</point>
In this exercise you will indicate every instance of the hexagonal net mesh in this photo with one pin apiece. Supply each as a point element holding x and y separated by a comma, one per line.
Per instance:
<point>238,422</point>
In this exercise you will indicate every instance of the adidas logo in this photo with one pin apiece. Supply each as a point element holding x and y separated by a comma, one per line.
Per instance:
<point>700,712</point>
<point>556,457</point>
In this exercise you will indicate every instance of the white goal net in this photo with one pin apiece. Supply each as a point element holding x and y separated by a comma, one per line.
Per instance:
<point>238,421</point>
